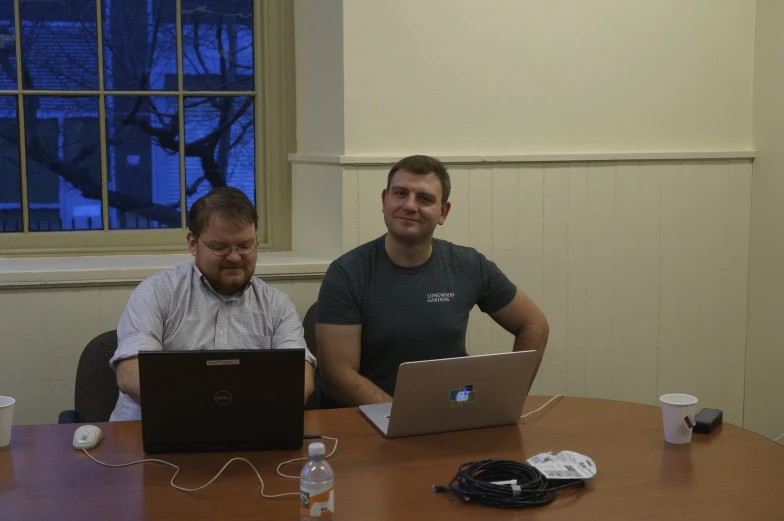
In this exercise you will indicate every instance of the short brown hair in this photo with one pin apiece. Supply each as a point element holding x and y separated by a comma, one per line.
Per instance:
<point>423,165</point>
<point>225,202</point>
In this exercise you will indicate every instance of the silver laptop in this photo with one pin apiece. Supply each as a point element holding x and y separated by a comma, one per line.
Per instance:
<point>454,394</point>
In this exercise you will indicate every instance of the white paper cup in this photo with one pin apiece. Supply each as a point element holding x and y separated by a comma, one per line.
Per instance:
<point>678,412</point>
<point>6,419</point>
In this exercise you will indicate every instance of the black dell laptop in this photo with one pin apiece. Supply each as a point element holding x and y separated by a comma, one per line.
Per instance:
<point>202,401</point>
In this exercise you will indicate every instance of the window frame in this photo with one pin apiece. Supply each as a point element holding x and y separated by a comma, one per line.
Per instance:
<point>274,135</point>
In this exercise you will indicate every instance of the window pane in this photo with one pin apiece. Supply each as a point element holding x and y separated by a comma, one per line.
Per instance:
<point>10,189</point>
<point>139,44</point>
<point>7,46</point>
<point>144,162</point>
<point>63,163</point>
<point>217,41</point>
<point>59,44</point>
<point>219,154</point>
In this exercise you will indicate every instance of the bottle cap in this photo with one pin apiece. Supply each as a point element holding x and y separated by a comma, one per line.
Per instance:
<point>316,449</point>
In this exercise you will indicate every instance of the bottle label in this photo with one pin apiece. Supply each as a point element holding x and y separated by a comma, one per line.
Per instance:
<point>317,504</point>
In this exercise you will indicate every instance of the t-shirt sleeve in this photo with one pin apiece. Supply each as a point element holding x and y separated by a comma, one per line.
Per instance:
<point>495,289</point>
<point>141,324</point>
<point>338,302</point>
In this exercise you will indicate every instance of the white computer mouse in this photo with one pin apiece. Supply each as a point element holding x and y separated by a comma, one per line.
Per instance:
<point>87,437</point>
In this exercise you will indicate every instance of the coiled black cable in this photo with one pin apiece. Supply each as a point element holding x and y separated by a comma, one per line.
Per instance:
<point>474,482</point>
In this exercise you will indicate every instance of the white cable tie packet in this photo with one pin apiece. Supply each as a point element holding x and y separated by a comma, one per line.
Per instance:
<point>564,465</point>
<point>516,489</point>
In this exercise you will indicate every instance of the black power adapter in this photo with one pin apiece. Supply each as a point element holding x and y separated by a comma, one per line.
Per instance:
<point>707,419</point>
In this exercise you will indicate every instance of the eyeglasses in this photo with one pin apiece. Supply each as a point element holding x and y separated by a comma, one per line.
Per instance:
<point>225,251</point>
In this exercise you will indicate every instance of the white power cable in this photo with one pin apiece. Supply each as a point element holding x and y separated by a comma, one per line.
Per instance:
<point>543,406</point>
<point>272,496</point>
<point>779,437</point>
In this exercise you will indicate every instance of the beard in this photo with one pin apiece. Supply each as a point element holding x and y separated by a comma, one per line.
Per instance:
<point>227,284</point>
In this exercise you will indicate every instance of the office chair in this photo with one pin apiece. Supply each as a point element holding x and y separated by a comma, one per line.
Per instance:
<point>95,392</point>
<point>309,325</point>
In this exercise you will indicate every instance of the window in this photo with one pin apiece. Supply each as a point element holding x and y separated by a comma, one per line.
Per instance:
<point>116,115</point>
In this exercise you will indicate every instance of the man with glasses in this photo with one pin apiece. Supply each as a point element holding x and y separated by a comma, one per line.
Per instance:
<point>214,302</point>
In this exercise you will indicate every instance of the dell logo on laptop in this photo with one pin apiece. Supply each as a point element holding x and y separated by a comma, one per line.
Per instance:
<point>223,397</point>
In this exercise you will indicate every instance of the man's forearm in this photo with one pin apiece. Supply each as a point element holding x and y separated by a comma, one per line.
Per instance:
<point>132,389</point>
<point>128,382</point>
<point>354,389</point>
<point>309,385</point>
<point>135,394</point>
<point>532,339</point>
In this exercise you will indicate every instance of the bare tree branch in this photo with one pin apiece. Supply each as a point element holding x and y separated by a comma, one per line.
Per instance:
<point>168,136</point>
<point>213,136</point>
<point>161,126</point>
<point>153,43</point>
<point>189,191</point>
<point>196,102</point>
<point>194,186</point>
<point>199,57</point>
<point>221,50</point>
<point>5,63</point>
<point>242,133</point>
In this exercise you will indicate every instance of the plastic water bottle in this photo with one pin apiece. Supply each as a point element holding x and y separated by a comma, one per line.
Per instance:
<point>316,487</point>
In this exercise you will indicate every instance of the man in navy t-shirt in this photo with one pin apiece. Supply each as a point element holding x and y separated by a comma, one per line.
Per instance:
<point>406,296</point>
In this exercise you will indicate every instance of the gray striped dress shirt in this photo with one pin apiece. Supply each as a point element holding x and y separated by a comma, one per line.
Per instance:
<point>177,309</point>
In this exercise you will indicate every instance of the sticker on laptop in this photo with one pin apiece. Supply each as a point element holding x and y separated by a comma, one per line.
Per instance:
<point>460,396</point>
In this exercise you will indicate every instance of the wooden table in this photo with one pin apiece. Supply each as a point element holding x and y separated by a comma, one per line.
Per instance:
<point>727,475</point>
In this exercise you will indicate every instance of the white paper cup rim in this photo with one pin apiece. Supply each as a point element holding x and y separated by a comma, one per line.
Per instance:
<point>6,401</point>
<point>678,399</point>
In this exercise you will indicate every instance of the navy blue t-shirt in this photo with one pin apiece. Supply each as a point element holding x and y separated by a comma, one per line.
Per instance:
<point>409,314</point>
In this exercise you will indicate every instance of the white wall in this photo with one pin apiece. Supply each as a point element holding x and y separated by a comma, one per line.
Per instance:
<point>640,261</point>
<point>640,267</point>
<point>317,209</point>
<point>317,188</point>
<point>319,72</point>
<point>765,355</point>
<point>512,76</point>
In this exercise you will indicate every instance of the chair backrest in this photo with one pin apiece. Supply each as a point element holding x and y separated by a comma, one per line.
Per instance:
<point>96,389</point>
<point>309,325</point>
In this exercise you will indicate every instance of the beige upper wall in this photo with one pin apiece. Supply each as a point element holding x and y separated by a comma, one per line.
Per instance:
<point>319,66</point>
<point>516,76</point>
<point>765,354</point>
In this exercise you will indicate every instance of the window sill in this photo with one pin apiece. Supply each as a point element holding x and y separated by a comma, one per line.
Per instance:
<point>122,270</point>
